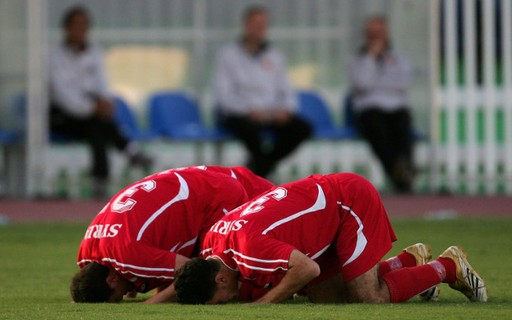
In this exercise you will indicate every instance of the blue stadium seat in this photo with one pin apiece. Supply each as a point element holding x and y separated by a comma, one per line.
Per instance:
<point>16,114</point>
<point>123,116</point>
<point>127,122</point>
<point>176,115</point>
<point>19,111</point>
<point>11,136</point>
<point>315,110</point>
<point>8,137</point>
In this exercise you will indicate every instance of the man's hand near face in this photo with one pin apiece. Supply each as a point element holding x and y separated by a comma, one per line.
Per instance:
<point>104,109</point>
<point>281,116</point>
<point>258,116</point>
<point>376,47</point>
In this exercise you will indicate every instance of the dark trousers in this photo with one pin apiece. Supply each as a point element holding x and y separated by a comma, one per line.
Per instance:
<point>98,133</point>
<point>390,136</point>
<point>285,137</point>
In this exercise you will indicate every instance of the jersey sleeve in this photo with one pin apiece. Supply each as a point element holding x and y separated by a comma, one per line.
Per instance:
<point>263,257</point>
<point>145,266</point>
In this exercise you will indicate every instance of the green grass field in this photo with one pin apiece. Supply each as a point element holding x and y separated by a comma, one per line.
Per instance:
<point>37,262</point>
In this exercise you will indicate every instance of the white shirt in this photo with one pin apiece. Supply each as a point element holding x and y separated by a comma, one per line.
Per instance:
<point>76,79</point>
<point>382,84</point>
<point>245,82</point>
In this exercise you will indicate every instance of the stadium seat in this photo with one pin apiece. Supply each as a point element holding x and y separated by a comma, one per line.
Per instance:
<point>315,110</point>
<point>123,116</point>
<point>15,114</point>
<point>127,122</point>
<point>8,137</point>
<point>19,111</point>
<point>176,115</point>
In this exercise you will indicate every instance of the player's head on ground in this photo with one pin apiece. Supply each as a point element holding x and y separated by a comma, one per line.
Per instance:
<point>202,281</point>
<point>97,283</point>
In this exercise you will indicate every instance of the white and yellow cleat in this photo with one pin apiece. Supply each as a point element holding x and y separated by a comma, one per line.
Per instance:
<point>421,252</point>
<point>468,281</point>
<point>431,294</point>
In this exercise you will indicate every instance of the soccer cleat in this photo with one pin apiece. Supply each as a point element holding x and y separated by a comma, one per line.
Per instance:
<point>431,294</point>
<point>468,281</point>
<point>421,252</point>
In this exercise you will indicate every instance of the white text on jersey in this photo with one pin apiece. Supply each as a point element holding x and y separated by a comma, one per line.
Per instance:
<point>102,231</point>
<point>223,227</point>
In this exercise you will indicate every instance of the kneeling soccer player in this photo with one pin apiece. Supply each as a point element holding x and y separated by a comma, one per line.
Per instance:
<point>152,227</point>
<point>323,236</point>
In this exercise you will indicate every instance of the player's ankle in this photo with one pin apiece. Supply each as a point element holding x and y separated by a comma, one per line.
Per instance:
<point>450,269</point>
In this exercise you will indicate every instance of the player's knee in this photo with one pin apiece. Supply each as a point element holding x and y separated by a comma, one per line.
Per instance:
<point>368,288</point>
<point>314,270</point>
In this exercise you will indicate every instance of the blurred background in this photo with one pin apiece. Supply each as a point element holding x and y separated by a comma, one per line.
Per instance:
<point>461,95</point>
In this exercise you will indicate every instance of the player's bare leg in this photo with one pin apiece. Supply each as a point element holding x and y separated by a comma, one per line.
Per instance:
<point>332,290</point>
<point>414,255</point>
<point>403,284</point>
<point>368,288</point>
<point>399,285</point>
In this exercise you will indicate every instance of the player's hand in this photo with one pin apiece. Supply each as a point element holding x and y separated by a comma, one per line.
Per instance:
<point>376,47</point>
<point>131,294</point>
<point>257,116</point>
<point>166,295</point>
<point>282,116</point>
<point>104,109</point>
<point>301,270</point>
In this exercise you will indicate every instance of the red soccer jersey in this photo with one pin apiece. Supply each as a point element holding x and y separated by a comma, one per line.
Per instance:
<point>310,215</point>
<point>144,226</point>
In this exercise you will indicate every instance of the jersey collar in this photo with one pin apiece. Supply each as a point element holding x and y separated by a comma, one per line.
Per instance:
<point>226,259</point>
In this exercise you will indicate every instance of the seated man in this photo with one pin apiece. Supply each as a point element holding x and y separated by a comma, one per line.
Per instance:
<point>80,102</point>
<point>324,236</point>
<point>254,95</point>
<point>150,228</point>
<point>381,78</point>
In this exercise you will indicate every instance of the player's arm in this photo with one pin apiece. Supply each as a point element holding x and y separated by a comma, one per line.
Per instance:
<point>301,270</point>
<point>168,294</point>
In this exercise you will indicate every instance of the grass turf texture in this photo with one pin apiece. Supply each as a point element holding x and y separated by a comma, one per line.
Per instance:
<point>37,263</point>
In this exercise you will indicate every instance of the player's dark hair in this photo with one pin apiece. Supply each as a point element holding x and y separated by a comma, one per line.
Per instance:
<point>90,285</point>
<point>71,13</point>
<point>195,281</point>
<point>253,10</point>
